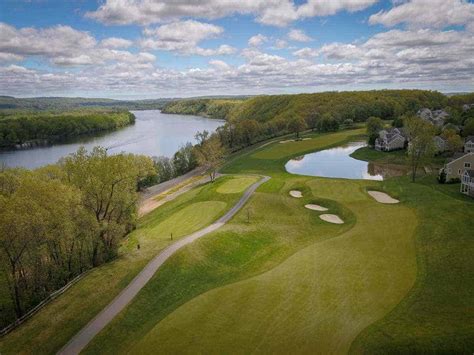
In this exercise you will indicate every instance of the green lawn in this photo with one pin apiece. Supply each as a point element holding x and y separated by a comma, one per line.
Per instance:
<point>53,326</point>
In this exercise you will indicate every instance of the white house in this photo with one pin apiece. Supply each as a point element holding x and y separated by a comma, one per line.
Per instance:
<point>469,144</point>
<point>390,139</point>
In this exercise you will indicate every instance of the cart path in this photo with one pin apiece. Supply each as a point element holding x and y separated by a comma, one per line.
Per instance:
<point>86,334</point>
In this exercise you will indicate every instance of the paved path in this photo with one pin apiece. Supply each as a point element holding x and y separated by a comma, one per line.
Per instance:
<point>81,339</point>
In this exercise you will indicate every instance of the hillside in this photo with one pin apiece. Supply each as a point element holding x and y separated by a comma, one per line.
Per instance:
<point>354,105</point>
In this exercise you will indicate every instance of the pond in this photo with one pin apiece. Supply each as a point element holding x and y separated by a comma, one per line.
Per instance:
<point>153,134</point>
<point>337,163</point>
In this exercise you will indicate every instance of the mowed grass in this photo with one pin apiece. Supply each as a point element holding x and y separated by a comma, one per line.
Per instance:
<point>317,300</point>
<point>236,185</point>
<point>53,326</point>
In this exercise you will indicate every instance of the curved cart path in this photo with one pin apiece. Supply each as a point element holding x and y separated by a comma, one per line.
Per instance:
<point>86,334</point>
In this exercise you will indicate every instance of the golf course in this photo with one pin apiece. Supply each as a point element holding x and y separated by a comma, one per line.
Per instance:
<point>276,277</point>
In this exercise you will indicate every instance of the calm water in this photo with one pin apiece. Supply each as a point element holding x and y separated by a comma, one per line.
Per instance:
<point>337,163</point>
<point>153,134</point>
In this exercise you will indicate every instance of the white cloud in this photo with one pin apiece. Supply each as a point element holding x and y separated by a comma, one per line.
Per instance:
<point>64,46</point>
<point>269,12</point>
<point>9,57</point>
<point>427,13</point>
<point>306,52</point>
<point>257,40</point>
<point>58,40</point>
<point>183,37</point>
<point>299,36</point>
<point>115,43</point>
<point>281,43</point>
<point>325,8</point>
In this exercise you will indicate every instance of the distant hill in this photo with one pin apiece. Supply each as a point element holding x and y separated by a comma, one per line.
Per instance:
<point>73,103</point>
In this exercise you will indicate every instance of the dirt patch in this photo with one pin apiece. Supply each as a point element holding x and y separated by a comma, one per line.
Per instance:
<point>296,194</point>
<point>331,218</point>
<point>382,197</point>
<point>315,207</point>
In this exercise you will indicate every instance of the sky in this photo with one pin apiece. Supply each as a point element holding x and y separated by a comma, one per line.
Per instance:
<point>138,49</point>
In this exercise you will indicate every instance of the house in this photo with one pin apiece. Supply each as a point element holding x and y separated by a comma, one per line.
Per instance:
<point>436,117</point>
<point>390,139</point>
<point>469,144</point>
<point>467,183</point>
<point>441,144</point>
<point>454,169</point>
<point>467,107</point>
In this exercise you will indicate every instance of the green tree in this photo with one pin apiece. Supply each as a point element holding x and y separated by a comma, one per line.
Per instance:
<point>374,126</point>
<point>468,129</point>
<point>109,185</point>
<point>421,147</point>
<point>454,142</point>
<point>312,119</point>
<point>210,154</point>
<point>297,125</point>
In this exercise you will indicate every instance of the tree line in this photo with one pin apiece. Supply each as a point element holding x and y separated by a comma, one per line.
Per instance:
<point>26,127</point>
<point>61,220</point>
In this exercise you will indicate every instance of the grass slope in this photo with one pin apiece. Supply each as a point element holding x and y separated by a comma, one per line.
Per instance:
<point>53,326</point>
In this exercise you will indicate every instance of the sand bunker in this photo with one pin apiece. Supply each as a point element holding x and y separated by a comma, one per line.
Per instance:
<point>316,207</point>
<point>296,193</point>
<point>382,197</point>
<point>331,218</point>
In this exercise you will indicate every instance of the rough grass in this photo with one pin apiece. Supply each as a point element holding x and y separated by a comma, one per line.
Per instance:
<point>53,326</point>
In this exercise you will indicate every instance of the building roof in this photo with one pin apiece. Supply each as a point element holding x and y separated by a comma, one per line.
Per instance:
<point>469,139</point>
<point>457,156</point>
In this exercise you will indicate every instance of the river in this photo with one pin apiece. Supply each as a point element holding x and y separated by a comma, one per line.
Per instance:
<point>153,134</point>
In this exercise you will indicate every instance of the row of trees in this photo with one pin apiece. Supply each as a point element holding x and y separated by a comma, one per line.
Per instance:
<point>20,128</point>
<point>58,221</point>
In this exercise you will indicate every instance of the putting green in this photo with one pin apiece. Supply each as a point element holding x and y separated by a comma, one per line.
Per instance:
<point>236,185</point>
<point>317,301</point>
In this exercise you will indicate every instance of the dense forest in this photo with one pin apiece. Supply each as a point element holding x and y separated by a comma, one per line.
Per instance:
<point>61,220</point>
<point>356,105</point>
<point>28,128</point>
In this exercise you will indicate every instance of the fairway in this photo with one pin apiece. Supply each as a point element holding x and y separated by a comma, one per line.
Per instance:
<point>317,301</point>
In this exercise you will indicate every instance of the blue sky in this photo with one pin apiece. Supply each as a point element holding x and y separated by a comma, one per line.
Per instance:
<point>156,48</point>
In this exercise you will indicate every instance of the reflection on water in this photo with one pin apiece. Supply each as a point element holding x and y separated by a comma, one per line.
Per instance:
<point>337,163</point>
<point>153,134</point>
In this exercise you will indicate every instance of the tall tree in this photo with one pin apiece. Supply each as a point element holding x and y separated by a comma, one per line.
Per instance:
<point>210,154</point>
<point>296,125</point>
<point>374,126</point>
<point>421,145</point>
<point>109,185</point>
